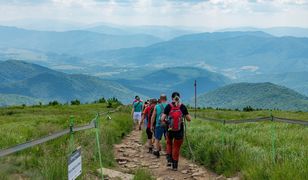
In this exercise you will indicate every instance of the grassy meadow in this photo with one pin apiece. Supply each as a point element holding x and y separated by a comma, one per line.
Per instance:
<point>247,149</point>
<point>49,160</point>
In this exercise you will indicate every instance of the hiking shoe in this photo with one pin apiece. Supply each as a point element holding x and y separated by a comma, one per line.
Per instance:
<point>156,153</point>
<point>175,165</point>
<point>150,150</point>
<point>169,160</point>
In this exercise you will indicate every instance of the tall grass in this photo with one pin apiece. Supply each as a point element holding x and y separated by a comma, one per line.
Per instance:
<point>49,160</point>
<point>247,148</point>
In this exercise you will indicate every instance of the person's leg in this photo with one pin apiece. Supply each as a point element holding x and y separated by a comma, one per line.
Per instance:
<point>138,121</point>
<point>150,136</point>
<point>158,135</point>
<point>176,153</point>
<point>169,140</point>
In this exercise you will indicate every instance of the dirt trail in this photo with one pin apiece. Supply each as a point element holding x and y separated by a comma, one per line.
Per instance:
<point>131,155</point>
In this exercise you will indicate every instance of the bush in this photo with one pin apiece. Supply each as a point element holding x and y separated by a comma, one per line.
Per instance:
<point>75,102</point>
<point>248,109</point>
<point>54,103</point>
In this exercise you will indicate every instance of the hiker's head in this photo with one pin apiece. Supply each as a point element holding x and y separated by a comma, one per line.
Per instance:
<point>153,101</point>
<point>137,98</point>
<point>163,98</point>
<point>175,96</point>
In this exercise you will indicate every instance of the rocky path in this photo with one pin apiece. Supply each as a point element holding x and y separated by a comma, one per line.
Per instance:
<point>131,155</point>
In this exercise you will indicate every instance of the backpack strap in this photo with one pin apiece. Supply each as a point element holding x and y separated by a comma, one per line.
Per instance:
<point>162,108</point>
<point>135,105</point>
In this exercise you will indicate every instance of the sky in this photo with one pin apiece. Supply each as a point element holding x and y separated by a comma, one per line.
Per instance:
<point>213,14</point>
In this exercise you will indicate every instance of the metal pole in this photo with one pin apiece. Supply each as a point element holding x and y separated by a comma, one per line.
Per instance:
<point>195,98</point>
<point>98,145</point>
<point>71,149</point>
<point>273,139</point>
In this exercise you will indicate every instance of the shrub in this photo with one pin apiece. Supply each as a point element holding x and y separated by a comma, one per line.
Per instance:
<point>54,103</point>
<point>75,102</point>
<point>248,109</point>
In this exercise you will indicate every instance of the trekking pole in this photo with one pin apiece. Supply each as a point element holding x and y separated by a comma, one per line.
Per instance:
<point>190,149</point>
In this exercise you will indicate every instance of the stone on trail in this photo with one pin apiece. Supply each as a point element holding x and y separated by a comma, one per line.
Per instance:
<point>112,174</point>
<point>122,162</point>
<point>221,178</point>
<point>130,166</point>
<point>184,171</point>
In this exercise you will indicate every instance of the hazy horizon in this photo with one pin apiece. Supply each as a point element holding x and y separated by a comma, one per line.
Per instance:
<point>206,15</point>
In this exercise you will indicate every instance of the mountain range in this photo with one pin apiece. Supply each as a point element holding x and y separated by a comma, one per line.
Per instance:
<point>179,79</point>
<point>227,52</point>
<point>256,95</point>
<point>38,82</point>
<point>70,42</point>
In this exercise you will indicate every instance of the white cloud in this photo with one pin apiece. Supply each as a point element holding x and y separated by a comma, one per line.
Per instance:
<point>249,68</point>
<point>207,13</point>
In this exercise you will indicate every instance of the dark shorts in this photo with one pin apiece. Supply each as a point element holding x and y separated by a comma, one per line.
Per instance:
<point>159,132</point>
<point>149,133</point>
<point>176,134</point>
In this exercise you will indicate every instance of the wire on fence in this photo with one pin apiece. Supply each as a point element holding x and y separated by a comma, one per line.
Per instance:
<point>19,147</point>
<point>284,120</point>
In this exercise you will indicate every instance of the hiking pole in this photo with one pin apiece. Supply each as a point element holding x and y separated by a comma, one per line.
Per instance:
<point>189,147</point>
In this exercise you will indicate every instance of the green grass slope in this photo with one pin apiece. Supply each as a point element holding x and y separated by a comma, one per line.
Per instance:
<point>246,150</point>
<point>49,160</point>
<point>257,95</point>
<point>13,99</point>
<point>38,82</point>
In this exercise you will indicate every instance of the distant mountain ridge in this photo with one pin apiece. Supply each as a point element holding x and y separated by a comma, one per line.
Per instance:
<point>256,95</point>
<point>275,31</point>
<point>294,80</point>
<point>13,99</point>
<point>179,79</point>
<point>70,42</point>
<point>47,84</point>
<point>227,51</point>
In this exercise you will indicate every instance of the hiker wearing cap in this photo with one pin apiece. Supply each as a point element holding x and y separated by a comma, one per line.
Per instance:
<point>174,115</point>
<point>136,111</point>
<point>147,113</point>
<point>158,127</point>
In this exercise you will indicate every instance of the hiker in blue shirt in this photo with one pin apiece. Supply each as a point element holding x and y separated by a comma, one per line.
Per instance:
<point>157,125</point>
<point>136,111</point>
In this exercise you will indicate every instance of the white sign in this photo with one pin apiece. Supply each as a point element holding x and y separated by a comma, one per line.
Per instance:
<point>74,164</point>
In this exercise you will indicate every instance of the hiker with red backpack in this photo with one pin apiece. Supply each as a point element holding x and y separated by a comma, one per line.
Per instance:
<point>137,110</point>
<point>157,126</point>
<point>174,115</point>
<point>147,113</point>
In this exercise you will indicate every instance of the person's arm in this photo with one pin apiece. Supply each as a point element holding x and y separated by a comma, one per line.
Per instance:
<point>185,113</point>
<point>166,113</point>
<point>142,117</point>
<point>153,119</point>
<point>188,117</point>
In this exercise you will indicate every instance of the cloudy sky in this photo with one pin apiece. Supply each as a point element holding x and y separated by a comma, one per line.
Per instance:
<point>195,13</point>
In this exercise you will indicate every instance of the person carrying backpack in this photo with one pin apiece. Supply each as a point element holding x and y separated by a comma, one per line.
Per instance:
<point>147,113</point>
<point>157,126</point>
<point>174,115</point>
<point>136,111</point>
<point>146,104</point>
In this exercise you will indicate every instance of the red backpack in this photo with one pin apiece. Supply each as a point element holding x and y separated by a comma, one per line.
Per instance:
<point>175,118</point>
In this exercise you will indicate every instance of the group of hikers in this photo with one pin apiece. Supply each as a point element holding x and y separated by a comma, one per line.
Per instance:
<point>161,118</point>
